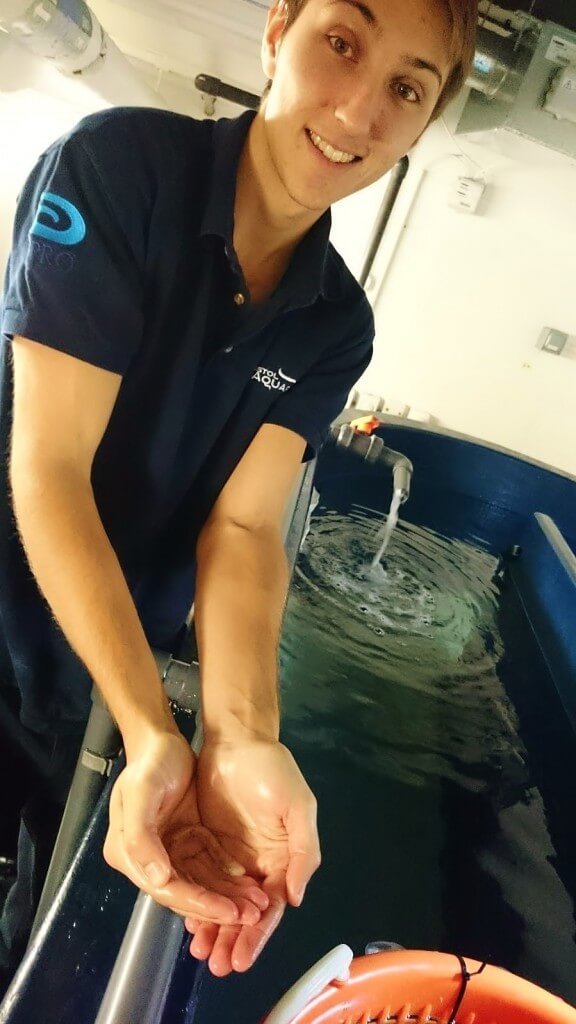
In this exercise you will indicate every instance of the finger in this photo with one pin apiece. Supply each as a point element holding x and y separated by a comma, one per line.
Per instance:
<point>113,840</point>
<point>251,940</point>
<point>244,892</point>
<point>251,903</point>
<point>248,914</point>
<point>239,955</point>
<point>220,959</point>
<point>191,899</point>
<point>247,887</point>
<point>203,942</point>
<point>115,852</point>
<point>303,848</point>
<point>192,924</point>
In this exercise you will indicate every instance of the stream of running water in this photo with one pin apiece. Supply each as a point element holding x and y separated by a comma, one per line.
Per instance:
<point>388,528</point>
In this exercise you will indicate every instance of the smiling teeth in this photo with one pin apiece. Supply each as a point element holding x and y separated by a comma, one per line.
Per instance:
<point>335,155</point>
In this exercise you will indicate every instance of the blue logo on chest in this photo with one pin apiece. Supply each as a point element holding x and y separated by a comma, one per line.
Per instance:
<point>68,226</point>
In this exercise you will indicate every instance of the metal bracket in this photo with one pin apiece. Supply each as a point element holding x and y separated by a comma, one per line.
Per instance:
<point>97,763</point>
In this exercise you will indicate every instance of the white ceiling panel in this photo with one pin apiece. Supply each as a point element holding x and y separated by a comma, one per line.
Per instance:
<point>182,38</point>
<point>240,18</point>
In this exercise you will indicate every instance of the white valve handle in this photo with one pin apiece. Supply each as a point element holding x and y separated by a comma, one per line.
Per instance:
<point>334,966</point>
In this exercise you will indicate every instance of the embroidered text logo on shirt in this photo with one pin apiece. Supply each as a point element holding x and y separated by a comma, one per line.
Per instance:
<point>68,225</point>
<point>274,381</point>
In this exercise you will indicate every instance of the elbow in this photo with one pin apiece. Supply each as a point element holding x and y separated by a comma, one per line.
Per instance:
<point>34,479</point>
<point>236,535</point>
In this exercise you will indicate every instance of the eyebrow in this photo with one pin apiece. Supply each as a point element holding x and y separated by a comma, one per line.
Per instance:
<point>365,11</point>
<point>371,19</point>
<point>424,65</point>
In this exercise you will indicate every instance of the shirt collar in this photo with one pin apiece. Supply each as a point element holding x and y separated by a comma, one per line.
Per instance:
<point>312,271</point>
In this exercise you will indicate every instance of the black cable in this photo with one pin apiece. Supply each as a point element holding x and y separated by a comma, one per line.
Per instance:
<point>466,975</point>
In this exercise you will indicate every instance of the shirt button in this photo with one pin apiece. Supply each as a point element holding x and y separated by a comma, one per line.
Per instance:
<point>229,349</point>
<point>239,299</point>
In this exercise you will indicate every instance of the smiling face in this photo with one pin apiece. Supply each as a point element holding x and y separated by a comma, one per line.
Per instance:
<point>354,84</point>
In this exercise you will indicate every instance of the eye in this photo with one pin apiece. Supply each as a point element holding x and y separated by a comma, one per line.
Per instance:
<point>407,92</point>
<point>340,46</point>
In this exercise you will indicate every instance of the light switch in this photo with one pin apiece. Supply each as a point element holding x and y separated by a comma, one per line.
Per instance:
<point>551,340</point>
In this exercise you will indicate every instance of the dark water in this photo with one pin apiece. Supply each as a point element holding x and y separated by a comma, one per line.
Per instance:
<point>417,704</point>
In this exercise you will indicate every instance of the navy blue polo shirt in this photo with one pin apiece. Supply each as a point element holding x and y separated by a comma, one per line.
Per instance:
<point>123,256</point>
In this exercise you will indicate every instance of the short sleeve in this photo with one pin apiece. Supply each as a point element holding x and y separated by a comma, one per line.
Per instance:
<point>74,279</point>
<point>314,402</point>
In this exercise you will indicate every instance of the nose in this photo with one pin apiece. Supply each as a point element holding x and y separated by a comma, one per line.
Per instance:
<point>359,108</point>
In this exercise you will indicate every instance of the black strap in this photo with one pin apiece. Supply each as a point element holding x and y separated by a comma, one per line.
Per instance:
<point>466,975</point>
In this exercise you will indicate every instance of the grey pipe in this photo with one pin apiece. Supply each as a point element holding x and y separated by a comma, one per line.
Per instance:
<point>146,961</point>
<point>394,185</point>
<point>372,449</point>
<point>142,975</point>
<point>65,32</point>
<point>100,748</point>
<point>211,86</point>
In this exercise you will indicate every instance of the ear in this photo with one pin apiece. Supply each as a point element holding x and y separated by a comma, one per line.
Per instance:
<point>275,25</point>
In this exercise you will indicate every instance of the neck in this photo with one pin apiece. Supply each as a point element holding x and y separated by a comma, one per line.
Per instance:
<point>268,222</point>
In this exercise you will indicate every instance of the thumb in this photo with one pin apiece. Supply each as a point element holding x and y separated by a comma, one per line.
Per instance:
<point>141,807</point>
<point>303,849</point>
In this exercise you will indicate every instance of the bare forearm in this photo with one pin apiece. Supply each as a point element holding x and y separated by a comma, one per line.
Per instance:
<point>240,596</point>
<point>80,576</point>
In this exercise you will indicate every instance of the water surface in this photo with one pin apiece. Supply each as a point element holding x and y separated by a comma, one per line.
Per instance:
<point>418,706</point>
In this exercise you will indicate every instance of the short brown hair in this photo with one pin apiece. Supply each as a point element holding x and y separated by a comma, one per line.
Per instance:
<point>464,18</point>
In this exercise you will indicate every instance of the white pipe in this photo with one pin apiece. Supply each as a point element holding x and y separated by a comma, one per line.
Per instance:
<point>69,36</point>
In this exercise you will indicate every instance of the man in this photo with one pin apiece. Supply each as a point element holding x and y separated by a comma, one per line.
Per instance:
<point>178,337</point>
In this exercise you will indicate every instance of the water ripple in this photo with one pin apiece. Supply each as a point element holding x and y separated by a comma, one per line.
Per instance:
<point>400,663</point>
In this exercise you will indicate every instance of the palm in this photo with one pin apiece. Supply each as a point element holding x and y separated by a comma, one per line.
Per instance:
<point>154,818</point>
<point>198,857</point>
<point>246,822</point>
<point>254,800</point>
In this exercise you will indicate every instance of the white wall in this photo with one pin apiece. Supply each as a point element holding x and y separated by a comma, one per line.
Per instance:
<point>460,299</point>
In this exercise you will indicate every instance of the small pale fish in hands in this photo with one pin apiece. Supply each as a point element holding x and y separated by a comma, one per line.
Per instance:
<point>157,839</point>
<point>199,859</point>
<point>254,798</point>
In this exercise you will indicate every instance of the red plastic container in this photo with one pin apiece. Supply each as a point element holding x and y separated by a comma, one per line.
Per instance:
<point>419,987</point>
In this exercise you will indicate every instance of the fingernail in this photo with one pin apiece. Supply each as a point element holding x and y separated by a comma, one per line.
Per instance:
<point>259,898</point>
<point>251,915</point>
<point>300,897</point>
<point>155,874</point>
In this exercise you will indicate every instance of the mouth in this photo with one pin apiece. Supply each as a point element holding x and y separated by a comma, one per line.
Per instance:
<point>331,155</point>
